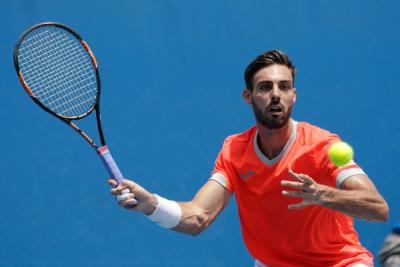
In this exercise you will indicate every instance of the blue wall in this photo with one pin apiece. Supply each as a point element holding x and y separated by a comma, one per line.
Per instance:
<point>172,80</point>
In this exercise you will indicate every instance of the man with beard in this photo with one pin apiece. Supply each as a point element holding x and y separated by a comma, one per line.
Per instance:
<point>295,206</point>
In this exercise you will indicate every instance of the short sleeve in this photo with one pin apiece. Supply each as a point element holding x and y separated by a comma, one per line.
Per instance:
<point>221,171</point>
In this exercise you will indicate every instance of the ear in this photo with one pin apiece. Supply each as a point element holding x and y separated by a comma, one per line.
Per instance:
<point>246,94</point>
<point>294,95</point>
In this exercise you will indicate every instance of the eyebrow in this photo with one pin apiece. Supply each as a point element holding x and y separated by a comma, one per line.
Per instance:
<point>271,82</point>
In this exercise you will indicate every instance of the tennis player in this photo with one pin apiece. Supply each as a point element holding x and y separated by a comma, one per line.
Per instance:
<point>295,206</point>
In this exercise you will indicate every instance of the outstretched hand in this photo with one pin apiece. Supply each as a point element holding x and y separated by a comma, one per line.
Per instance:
<point>306,188</point>
<point>132,196</point>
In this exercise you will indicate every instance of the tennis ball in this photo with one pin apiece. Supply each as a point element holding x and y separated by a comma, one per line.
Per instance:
<point>340,153</point>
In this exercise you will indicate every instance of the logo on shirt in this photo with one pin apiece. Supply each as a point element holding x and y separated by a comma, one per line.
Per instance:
<point>247,174</point>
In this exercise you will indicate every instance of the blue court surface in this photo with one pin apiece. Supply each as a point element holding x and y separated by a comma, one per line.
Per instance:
<point>172,77</point>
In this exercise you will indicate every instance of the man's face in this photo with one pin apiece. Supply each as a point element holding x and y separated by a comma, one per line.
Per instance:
<point>273,96</point>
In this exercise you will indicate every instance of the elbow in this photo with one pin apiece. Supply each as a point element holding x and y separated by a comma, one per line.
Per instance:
<point>381,212</point>
<point>197,231</point>
<point>199,224</point>
<point>384,213</point>
<point>383,217</point>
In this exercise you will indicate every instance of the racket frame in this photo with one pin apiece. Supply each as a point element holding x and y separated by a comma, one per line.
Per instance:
<point>67,120</point>
<point>102,151</point>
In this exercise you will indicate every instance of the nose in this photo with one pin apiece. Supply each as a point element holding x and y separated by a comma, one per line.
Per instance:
<point>275,96</point>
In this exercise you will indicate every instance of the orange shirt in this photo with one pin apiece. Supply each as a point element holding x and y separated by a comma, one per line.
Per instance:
<point>275,235</point>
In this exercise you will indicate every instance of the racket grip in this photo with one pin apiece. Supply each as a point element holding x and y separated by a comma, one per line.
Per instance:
<point>110,164</point>
<point>113,169</point>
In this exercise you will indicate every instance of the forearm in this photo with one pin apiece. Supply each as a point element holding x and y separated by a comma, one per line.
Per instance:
<point>362,204</point>
<point>194,219</point>
<point>200,212</point>
<point>190,217</point>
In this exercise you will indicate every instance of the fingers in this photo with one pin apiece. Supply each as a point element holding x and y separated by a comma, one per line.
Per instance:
<point>125,194</point>
<point>299,205</point>
<point>122,192</point>
<point>295,185</point>
<point>130,203</point>
<point>293,174</point>
<point>126,199</point>
<point>131,195</point>
<point>307,179</point>
<point>298,194</point>
<point>299,186</point>
<point>307,201</point>
<point>118,188</point>
<point>305,183</point>
<point>112,182</point>
<point>306,189</point>
<point>301,177</point>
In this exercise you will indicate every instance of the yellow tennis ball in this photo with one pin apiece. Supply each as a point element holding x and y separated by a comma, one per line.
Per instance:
<point>340,153</point>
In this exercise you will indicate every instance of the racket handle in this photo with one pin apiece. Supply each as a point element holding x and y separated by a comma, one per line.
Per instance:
<point>110,164</point>
<point>113,170</point>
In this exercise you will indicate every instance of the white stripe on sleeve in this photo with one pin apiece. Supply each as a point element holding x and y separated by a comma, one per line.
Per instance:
<point>347,173</point>
<point>218,177</point>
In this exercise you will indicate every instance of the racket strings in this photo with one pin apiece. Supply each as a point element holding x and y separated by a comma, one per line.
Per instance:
<point>53,94</point>
<point>51,66</point>
<point>59,71</point>
<point>63,100</point>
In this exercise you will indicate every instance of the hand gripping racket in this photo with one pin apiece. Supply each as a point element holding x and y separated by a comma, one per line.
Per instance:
<point>60,73</point>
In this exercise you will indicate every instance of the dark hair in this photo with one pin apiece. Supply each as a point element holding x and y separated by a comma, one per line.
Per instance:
<point>266,59</point>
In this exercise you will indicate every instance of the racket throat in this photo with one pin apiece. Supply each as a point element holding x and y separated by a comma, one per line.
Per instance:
<point>83,134</point>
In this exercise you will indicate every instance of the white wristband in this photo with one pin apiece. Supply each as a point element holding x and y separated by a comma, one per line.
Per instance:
<point>167,214</point>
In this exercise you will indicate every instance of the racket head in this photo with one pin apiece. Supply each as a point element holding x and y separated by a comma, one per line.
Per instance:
<point>58,70</point>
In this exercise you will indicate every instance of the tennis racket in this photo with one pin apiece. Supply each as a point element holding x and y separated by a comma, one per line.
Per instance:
<point>60,73</point>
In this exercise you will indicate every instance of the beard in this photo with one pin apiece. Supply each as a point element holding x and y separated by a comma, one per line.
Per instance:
<point>271,121</point>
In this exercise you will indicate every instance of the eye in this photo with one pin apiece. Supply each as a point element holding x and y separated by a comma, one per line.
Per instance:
<point>266,86</point>
<point>284,86</point>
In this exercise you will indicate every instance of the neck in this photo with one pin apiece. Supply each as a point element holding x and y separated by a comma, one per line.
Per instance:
<point>272,141</point>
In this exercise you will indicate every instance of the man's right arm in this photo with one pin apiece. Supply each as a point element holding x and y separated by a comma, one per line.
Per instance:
<point>201,211</point>
<point>197,214</point>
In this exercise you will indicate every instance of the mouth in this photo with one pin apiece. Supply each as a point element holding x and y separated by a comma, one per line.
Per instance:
<point>275,110</point>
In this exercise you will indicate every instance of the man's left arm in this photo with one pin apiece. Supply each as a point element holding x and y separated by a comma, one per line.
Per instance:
<point>357,196</point>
